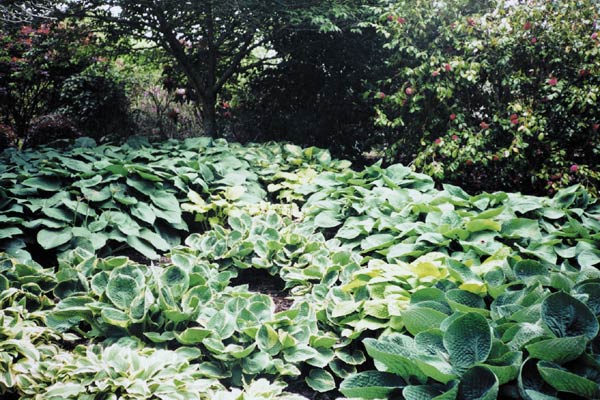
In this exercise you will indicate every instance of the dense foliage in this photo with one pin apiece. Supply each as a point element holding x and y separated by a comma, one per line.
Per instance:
<point>494,95</point>
<point>396,288</point>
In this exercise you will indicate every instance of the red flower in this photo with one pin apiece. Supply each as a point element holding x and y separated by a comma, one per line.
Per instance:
<point>552,81</point>
<point>574,168</point>
<point>595,127</point>
<point>225,104</point>
<point>381,95</point>
<point>438,141</point>
<point>594,35</point>
<point>514,116</point>
<point>408,91</point>
<point>401,20</point>
<point>495,157</point>
<point>583,72</point>
<point>484,125</point>
<point>454,137</point>
<point>44,29</point>
<point>435,73</point>
<point>534,40</point>
<point>469,162</point>
<point>514,119</point>
<point>448,67</point>
<point>452,117</point>
<point>390,17</point>
<point>26,30</point>
<point>527,26</point>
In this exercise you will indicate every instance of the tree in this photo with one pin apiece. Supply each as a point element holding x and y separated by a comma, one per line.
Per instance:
<point>211,41</point>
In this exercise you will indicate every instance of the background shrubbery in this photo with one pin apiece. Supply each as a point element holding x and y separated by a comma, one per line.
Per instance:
<point>478,93</point>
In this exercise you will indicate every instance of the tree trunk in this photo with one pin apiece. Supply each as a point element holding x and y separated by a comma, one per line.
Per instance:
<point>209,115</point>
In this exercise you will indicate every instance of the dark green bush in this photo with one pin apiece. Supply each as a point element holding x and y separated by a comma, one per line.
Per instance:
<point>495,97</point>
<point>49,128</point>
<point>97,101</point>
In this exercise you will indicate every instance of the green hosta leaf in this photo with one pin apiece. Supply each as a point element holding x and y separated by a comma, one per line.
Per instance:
<point>267,338</point>
<point>320,380</point>
<point>396,353</point>
<point>477,225</point>
<point>478,383</point>
<point>49,239</point>
<point>468,340</point>
<point>121,290</point>
<point>419,319</point>
<point>327,219</point>
<point>165,200</point>
<point>46,183</point>
<point>371,385</point>
<point>192,336</point>
<point>558,350</point>
<point>115,317</point>
<point>566,316</point>
<point>521,228</point>
<point>374,242</point>
<point>566,381</point>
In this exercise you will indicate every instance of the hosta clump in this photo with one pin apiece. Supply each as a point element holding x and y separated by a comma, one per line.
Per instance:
<point>104,198</point>
<point>533,343</point>
<point>189,303</point>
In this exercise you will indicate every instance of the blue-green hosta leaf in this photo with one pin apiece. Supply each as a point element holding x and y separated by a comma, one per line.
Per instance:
<point>478,383</point>
<point>419,318</point>
<point>143,247</point>
<point>86,183</point>
<point>9,232</point>
<point>46,183</point>
<point>529,269</point>
<point>464,301</point>
<point>522,228</point>
<point>589,258</point>
<point>468,340</point>
<point>477,225</point>
<point>50,239</point>
<point>566,316</point>
<point>121,290</point>
<point>165,200</point>
<point>565,381</point>
<point>505,367</point>
<point>592,292</point>
<point>320,380</point>
<point>560,350</point>
<point>376,241</point>
<point>396,352</point>
<point>371,385</point>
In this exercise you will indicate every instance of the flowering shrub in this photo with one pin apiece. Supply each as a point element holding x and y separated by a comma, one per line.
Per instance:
<point>492,96</point>
<point>34,62</point>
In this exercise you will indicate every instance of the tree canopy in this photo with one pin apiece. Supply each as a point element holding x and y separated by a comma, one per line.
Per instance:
<point>212,41</point>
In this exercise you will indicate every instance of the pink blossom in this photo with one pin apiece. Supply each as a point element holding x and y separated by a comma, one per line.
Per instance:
<point>484,125</point>
<point>594,35</point>
<point>448,67</point>
<point>454,137</point>
<point>574,168</point>
<point>552,81</point>
<point>381,95</point>
<point>400,20</point>
<point>390,17</point>
<point>408,91</point>
<point>527,26</point>
<point>435,73</point>
<point>534,40</point>
<point>438,141</point>
<point>452,117</point>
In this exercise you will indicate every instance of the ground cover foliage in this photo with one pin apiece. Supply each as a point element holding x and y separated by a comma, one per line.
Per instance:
<point>127,271</point>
